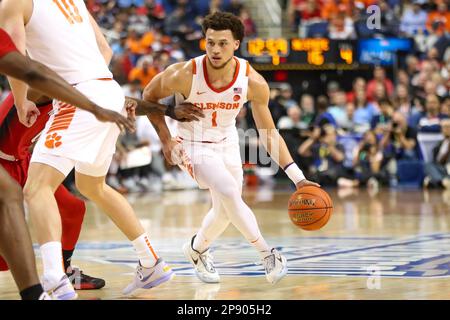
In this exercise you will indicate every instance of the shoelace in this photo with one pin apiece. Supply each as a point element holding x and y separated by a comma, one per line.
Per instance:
<point>139,273</point>
<point>269,263</point>
<point>207,260</point>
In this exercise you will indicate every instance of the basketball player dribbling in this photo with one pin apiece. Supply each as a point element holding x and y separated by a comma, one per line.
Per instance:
<point>71,43</point>
<point>15,241</point>
<point>220,84</point>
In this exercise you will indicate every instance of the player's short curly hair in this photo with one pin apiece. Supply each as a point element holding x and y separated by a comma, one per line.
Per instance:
<point>224,21</point>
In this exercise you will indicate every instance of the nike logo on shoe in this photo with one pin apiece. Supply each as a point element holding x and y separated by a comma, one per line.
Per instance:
<point>147,277</point>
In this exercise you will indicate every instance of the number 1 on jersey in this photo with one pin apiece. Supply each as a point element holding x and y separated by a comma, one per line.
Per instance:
<point>214,119</point>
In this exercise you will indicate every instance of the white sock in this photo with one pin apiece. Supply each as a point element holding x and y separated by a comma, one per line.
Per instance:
<point>261,245</point>
<point>144,250</point>
<point>52,260</point>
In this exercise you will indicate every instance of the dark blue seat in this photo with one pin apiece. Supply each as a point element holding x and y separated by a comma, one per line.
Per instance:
<point>410,173</point>
<point>317,30</point>
<point>362,30</point>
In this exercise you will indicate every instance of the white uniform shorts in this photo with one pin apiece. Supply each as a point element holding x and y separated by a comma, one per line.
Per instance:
<point>74,138</point>
<point>222,156</point>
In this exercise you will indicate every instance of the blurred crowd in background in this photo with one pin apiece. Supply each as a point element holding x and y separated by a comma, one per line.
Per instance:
<point>384,131</point>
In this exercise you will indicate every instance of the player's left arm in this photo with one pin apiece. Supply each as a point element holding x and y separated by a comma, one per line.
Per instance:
<point>258,94</point>
<point>12,19</point>
<point>103,45</point>
<point>184,112</point>
<point>51,84</point>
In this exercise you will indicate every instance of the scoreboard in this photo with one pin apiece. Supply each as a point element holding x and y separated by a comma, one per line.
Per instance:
<point>319,53</point>
<point>295,53</point>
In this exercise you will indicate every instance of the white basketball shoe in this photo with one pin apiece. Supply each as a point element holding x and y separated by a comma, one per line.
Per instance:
<point>147,278</point>
<point>202,262</point>
<point>275,266</point>
<point>63,290</point>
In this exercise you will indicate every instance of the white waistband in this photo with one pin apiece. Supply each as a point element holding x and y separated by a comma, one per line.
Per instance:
<point>7,157</point>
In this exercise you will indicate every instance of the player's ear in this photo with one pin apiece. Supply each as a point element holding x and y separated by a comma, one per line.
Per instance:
<point>237,43</point>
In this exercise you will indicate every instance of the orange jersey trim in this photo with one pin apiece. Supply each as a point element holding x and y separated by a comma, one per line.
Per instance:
<point>194,66</point>
<point>236,73</point>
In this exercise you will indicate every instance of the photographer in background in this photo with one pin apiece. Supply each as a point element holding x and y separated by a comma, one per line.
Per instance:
<point>367,164</point>
<point>327,154</point>
<point>399,140</point>
<point>381,122</point>
<point>438,172</point>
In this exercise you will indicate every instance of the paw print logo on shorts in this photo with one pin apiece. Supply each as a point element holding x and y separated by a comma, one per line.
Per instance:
<point>53,141</point>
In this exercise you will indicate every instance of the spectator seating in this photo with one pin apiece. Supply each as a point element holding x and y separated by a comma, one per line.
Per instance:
<point>427,142</point>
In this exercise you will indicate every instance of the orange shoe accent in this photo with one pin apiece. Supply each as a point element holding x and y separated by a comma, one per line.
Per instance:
<point>53,141</point>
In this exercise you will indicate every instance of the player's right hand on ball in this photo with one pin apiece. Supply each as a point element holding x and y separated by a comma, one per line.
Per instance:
<point>28,113</point>
<point>105,115</point>
<point>305,183</point>
<point>186,112</point>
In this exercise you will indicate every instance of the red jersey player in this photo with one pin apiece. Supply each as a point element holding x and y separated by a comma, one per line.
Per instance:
<point>15,241</point>
<point>15,142</point>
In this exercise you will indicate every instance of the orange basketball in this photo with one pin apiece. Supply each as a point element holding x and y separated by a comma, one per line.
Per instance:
<point>310,208</point>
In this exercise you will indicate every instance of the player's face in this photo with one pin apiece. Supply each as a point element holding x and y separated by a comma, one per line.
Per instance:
<point>220,47</point>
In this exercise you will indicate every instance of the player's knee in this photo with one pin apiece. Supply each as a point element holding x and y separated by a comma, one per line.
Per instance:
<point>30,190</point>
<point>88,189</point>
<point>227,192</point>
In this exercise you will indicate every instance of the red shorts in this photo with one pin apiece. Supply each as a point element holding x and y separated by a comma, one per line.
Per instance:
<point>18,170</point>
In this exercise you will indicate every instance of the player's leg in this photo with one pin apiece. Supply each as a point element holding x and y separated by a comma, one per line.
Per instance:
<point>217,177</point>
<point>15,240</point>
<point>197,249</point>
<point>216,220</point>
<point>114,205</point>
<point>90,181</point>
<point>72,210</point>
<point>43,180</point>
<point>213,225</point>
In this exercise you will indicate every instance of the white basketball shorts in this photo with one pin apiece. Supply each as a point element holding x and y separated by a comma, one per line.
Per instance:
<point>75,138</point>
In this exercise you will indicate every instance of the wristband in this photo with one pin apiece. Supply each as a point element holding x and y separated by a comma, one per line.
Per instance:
<point>294,173</point>
<point>170,111</point>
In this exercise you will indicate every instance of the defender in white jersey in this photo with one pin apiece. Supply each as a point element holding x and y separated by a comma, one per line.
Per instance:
<point>219,84</point>
<point>62,35</point>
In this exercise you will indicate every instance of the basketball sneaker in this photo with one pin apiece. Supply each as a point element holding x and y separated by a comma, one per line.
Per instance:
<point>45,296</point>
<point>202,262</point>
<point>62,291</point>
<point>81,281</point>
<point>147,278</point>
<point>275,266</point>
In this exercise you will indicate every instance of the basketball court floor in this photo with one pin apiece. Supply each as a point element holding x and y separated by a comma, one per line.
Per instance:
<point>391,244</point>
